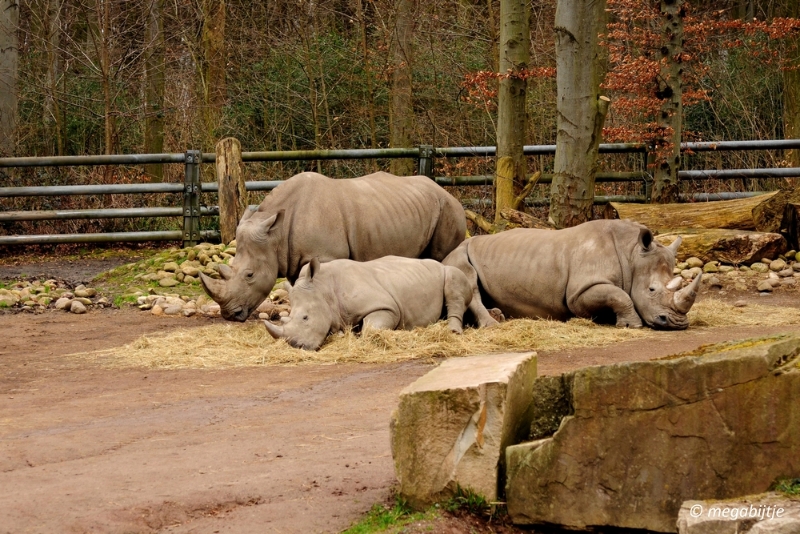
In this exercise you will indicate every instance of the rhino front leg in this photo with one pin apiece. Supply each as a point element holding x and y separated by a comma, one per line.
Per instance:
<point>457,296</point>
<point>460,260</point>
<point>604,296</point>
<point>382,320</point>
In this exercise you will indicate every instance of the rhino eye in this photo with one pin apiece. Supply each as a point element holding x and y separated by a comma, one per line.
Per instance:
<point>652,289</point>
<point>249,275</point>
<point>305,317</point>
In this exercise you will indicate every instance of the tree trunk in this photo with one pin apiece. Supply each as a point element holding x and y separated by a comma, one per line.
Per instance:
<point>373,133</point>
<point>401,112</point>
<point>736,247</point>
<point>515,44</point>
<point>791,90</point>
<point>734,214</point>
<point>214,59</point>
<point>154,68</point>
<point>670,91</point>
<point>581,110</point>
<point>52,117</point>
<point>9,59</point>
<point>232,192</point>
<point>101,37</point>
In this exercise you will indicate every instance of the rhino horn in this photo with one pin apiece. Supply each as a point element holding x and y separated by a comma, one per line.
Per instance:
<point>274,330</point>
<point>675,283</point>
<point>684,299</point>
<point>673,247</point>
<point>225,272</point>
<point>213,287</point>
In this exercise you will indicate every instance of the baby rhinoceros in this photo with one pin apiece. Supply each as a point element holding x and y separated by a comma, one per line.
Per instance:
<point>390,293</point>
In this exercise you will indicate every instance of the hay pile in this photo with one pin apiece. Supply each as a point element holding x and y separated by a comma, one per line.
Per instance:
<point>235,345</point>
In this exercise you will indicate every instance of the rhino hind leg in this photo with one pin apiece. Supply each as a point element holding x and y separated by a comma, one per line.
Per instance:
<point>382,320</point>
<point>459,259</point>
<point>607,296</point>
<point>457,296</point>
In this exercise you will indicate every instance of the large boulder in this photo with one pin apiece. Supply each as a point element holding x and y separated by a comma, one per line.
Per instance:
<point>638,439</point>
<point>452,425</point>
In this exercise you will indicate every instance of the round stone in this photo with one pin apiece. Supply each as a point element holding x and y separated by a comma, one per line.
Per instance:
<point>760,267</point>
<point>777,265</point>
<point>694,262</point>
<point>168,282</point>
<point>77,306</point>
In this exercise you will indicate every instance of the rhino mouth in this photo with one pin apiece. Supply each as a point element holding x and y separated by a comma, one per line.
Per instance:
<point>239,314</point>
<point>670,322</point>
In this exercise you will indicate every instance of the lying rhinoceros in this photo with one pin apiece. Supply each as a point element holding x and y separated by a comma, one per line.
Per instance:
<point>311,216</point>
<point>585,271</point>
<point>390,293</point>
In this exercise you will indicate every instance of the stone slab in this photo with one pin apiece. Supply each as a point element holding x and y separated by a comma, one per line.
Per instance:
<point>639,439</point>
<point>453,424</point>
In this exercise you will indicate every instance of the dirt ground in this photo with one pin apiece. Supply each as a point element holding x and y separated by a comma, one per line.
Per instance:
<point>252,450</point>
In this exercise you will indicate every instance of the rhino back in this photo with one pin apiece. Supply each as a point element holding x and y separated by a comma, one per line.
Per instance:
<point>363,218</point>
<point>536,273</point>
<point>411,288</point>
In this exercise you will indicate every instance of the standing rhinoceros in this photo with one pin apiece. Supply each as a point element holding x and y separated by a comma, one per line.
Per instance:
<point>585,271</point>
<point>311,216</point>
<point>390,292</point>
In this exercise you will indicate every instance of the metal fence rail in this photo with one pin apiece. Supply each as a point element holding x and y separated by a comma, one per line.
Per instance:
<point>191,188</point>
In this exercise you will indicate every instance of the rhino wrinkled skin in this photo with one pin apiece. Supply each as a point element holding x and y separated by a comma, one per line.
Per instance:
<point>390,293</point>
<point>584,271</point>
<point>312,216</point>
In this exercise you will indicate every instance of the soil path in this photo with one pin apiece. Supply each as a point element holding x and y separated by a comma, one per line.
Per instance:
<point>252,450</point>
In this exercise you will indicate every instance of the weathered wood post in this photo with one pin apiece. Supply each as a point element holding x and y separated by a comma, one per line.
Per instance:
<point>232,192</point>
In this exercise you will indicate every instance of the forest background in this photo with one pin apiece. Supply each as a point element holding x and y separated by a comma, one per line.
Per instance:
<point>112,76</point>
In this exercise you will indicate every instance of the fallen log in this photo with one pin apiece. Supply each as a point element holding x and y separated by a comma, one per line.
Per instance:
<point>734,214</point>
<point>509,219</point>
<point>518,219</point>
<point>736,247</point>
<point>769,215</point>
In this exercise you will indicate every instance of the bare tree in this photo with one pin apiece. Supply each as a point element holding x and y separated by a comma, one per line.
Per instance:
<point>515,44</point>
<point>9,59</point>
<point>401,111</point>
<point>52,116</point>
<point>213,73</point>
<point>581,110</point>
<point>791,89</point>
<point>154,73</point>
<point>670,92</point>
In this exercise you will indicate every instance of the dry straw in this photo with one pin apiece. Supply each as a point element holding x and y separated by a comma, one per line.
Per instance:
<point>229,345</point>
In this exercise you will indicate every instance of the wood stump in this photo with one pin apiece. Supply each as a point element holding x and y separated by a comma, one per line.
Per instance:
<point>232,192</point>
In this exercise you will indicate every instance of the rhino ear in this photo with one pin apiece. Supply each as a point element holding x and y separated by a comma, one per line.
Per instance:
<point>248,212</point>
<point>273,223</point>
<point>309,270</point>
<point>645,238</point>
<point>313,267</point>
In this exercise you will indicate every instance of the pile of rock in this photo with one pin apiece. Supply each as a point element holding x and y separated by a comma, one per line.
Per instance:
<point>203,258</point>
<point>175,305</point>
<point>764,276</point>
<point>37,296</point>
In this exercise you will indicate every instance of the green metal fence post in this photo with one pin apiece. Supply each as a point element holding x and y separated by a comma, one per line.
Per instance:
<point>425,161</point>
<point>191,198</point>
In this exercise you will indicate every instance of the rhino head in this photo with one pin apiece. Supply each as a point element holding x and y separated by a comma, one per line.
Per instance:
<point>311,317</point>
<point>247,282</point>
<point>657,296</point>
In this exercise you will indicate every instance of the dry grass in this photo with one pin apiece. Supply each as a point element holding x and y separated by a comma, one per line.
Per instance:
<point>236,345</point>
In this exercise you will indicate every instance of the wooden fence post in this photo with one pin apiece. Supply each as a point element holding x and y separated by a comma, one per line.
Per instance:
<point>232,192</point>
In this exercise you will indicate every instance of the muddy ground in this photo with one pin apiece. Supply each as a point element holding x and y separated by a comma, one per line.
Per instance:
<point>253,450</point>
